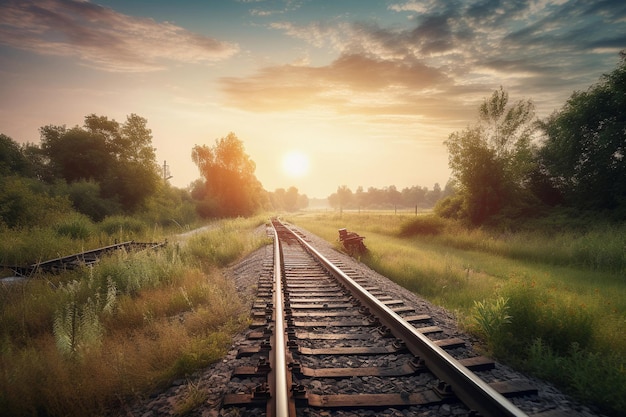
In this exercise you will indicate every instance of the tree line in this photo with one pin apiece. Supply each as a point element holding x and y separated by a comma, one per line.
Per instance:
<point>106,168</point>
<point>388,197</point>
<point>509,165</point>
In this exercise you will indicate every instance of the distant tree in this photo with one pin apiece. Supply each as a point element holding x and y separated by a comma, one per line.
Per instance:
<point>394,197</point>
<point>492,160</point>
<point>360,198</point>
<point>434,195</point>
<point>277,199</point>
<point>303,201</point>
<point>291,199</point>
<point>342,198</point>
<point>288,200</point>
<point>230,185</point>
<point>583,157</point>
<point>415,197</point>
<point>386,197</point>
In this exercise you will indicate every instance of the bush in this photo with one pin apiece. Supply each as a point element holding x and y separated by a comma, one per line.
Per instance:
<point>422,225</point>
<point>538,314</point>
<point>594,377</point>
<point>491,317</point>
<point>450,207</point>
<point>122,225</point>
<point>85,196</point>
<point>75,226</point>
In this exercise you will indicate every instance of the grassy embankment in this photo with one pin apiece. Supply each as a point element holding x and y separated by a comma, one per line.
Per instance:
<point>553,304</point>
<point>77,343</point>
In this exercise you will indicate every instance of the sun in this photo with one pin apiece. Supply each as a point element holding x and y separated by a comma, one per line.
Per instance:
<point>295,164</point>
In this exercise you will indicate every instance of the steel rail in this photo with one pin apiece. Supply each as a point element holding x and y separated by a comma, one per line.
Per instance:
<point>281,404</point>
<point>469,388</point>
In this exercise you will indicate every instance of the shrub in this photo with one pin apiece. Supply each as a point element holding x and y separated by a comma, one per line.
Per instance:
<point>594,377</point>
<point>538,314</point>
<point>75,226</point>
<point>422,225</point>
<point>123,226</point>
<point>450,207</point>
<point>490,318</point>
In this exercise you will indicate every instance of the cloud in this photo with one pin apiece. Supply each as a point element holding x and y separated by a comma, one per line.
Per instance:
<point>454,53</point>
<point>352,83</point>
<point>103,38</point>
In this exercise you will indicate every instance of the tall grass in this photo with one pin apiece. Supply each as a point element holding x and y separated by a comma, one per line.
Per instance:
<point>81,342</point>
<point>70,234</point>
<point>563,290</point>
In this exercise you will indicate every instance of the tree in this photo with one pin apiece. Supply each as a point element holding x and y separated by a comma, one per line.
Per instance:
<point>76,154</point>
<point>583,156</point>
<point>12,159</point>
<point>492,160</point>
<point>230,185</point>
<point>120,159</point>
<point>288,200</point>
<point>342,198</point>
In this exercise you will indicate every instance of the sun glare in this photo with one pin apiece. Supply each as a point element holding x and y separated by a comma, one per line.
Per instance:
<point>295,164</point>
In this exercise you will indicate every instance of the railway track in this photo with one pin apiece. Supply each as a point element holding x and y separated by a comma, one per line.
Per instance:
<point>327,342</point>
<point>76,260</point>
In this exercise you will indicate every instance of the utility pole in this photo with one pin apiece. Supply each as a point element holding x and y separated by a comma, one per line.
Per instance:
<point>166,172</point>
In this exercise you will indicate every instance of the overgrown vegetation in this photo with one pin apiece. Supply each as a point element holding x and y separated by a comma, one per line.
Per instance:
<point>552,303</point>
<point>509,166</point>
<point>78,343</point>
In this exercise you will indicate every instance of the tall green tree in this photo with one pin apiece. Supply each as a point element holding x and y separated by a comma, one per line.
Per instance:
<point>492,160</point>
<point>584,153</point>
<point>119,158</point>
<point>229,186</point>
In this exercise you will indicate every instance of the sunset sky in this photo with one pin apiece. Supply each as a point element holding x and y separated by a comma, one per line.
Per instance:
<point>363,92</point>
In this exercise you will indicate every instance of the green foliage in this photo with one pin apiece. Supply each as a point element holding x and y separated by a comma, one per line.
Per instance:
<point>120,159</point>
<point>201,353</point>
<point>490,318</point>
<point>148,269</point>
<point>422,225</point>
<point>87,198</point>
<point>12,159</point>
<point>82,342</point>
<point>542,314</point>
<point>25,202</point>
<point>593,377</point>
<point>450,207</point>
<point>584,147</point>
<point>224,243</point>
<point>77,327</point>
<point>122,226</point>
<point>75,226</point>
<point>170,206</point>
<point>492,160</point>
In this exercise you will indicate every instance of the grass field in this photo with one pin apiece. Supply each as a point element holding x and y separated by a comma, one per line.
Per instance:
<point>78,343</point>
<point>562,294</point>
